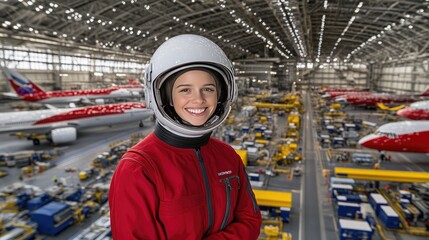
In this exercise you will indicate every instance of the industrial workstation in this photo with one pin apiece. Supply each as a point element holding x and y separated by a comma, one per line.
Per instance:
<point>331,118</point>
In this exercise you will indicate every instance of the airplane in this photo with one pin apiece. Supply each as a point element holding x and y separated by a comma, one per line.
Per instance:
<point>340,90</point>
<point>329,90</point>
<point>60,125</point>
<point>370,99</point>
<point>416,111</point>
<point>338,93</point>
<point>404,136</point>
<point>29,91</point>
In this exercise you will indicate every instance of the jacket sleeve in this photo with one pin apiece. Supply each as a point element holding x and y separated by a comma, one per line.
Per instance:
<point>247,217</point>
<point>134,202</point>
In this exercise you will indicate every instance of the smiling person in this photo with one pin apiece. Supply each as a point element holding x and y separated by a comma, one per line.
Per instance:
<point>179,182</point>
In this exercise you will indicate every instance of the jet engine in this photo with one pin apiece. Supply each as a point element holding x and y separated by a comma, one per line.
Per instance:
<point>63,135</point>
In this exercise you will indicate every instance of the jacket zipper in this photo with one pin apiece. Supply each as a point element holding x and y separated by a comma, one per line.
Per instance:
<point>208,192</point>
<point>228,188</point>
<point>251,194</point>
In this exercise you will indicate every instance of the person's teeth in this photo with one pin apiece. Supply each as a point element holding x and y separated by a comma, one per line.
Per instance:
<point>196,111</point>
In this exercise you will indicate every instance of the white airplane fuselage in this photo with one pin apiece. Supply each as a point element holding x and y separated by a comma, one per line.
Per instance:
<point>416,111</point>
<point>405,136</point>
<point>67,121</point>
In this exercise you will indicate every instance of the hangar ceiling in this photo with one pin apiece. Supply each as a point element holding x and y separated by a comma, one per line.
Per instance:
<point>313,30</point>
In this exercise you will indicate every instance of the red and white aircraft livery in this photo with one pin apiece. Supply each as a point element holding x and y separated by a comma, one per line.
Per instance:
<point>336,92</point>
<point>371,99</point>
<point>29,91</point>
<point>61,124</point>
<point>416,111</point>
<point>405,136</point>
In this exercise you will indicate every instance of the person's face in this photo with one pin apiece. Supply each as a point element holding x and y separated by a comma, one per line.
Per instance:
<point>194,96</point>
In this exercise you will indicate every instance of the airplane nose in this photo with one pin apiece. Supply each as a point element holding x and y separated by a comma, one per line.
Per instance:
<point>402,113</point>
<point>368,141</point>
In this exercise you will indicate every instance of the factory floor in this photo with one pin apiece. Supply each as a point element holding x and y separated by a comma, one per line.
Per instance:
<point>312,214</point>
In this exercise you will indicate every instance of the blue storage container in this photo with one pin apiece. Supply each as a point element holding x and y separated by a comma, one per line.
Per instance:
<point>389,217</point>
<point>74,195</point>
<point>53,218</point>
<point>405,194</point>
<point>254,177</point>
<point>350,126</point>
<point>285,214</point>
<point>341,189</point>
<point>352,198</point>
<point>39,201</point>
<point>330,129</point>
<point>371,220</point>
<point>346,209</point>
<point>404,202</point>
<point>22,200</point>
<point>354,230</point>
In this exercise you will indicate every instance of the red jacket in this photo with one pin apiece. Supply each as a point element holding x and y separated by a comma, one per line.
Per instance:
<point>163,192</point>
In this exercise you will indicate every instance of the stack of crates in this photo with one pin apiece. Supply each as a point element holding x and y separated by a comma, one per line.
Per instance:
<point>377,200</point>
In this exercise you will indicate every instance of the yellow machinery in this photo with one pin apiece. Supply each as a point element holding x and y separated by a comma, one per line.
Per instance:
<point>273,198</point>
<point>272,227</point>
<point>18,231</point>
<point>35,168</point>
<point>9,206</point>
<point>294,119</point>
<point>86,173</point>
<point>286,154</point>
<point>274,106</point>
<point>335,113</point>
<point>271,232</point>
<point>382,175</point>
<point>292,132</point>
<point>336,106</point>
<point>36,138</point>
<point>3,173</point>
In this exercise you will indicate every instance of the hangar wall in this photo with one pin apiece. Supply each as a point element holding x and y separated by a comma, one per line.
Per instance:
<point>402,77</point>
<point>68,70</point>
<point>340,76</point>
<point>385,77</point>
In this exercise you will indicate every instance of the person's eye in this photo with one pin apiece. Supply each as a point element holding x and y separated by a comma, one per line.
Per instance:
<point>209,89</point>
<point>184,90</point>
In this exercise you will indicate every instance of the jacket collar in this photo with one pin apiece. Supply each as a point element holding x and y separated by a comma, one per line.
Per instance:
<point>178,141</point>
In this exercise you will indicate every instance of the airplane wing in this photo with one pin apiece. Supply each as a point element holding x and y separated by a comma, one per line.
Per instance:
<point>33,128</point>
<point>397,108</point>
<point>386,108</point>
<point>381,106</point>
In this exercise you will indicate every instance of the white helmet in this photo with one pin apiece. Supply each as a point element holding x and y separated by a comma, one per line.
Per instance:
<point>181,53</point>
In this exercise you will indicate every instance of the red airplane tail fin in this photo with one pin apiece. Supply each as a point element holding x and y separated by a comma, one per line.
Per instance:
<point>426,93</point>
<point>20,84</point>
